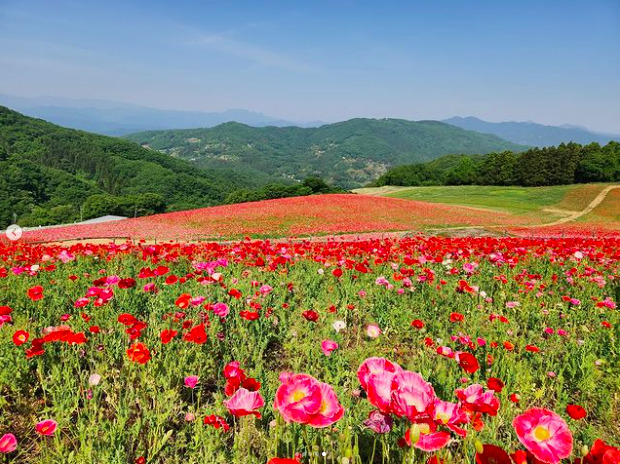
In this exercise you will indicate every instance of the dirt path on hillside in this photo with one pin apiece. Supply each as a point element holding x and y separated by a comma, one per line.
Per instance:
<point>577,214</point>
<point>571,216</point>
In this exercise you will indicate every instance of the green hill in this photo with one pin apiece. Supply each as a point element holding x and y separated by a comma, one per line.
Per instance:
<point>49,173</point>
<point>348,154</point>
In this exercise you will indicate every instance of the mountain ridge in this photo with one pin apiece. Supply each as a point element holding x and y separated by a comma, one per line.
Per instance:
<point>347,153</point>
<point>532,133</point>
<point>118,118</point>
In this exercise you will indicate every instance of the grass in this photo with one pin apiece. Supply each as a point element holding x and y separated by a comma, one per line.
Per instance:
<point>515,200</point>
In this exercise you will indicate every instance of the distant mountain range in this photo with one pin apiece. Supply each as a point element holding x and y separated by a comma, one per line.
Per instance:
<point>117,118</point>
<point>531,133</point>
<point>347,154</point>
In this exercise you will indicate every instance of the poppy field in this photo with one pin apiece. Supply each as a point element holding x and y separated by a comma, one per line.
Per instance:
<point>285,217</point>
<point>410,350</point>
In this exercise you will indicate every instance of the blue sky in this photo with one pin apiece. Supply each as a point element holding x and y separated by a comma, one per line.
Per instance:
<point>550,61</point>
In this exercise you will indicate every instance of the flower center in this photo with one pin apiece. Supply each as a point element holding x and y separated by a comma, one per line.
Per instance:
<point>298,395</point>
<point>541,433</point>
<point>323,407</point>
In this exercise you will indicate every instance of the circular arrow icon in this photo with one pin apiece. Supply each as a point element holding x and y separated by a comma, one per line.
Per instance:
<point>14,232</point>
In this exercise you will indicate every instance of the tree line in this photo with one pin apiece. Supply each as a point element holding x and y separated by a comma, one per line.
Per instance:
<point>564,164</point>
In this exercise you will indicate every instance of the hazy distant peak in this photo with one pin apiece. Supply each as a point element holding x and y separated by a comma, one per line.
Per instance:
<point>532,133</point>
<point>118,118</point>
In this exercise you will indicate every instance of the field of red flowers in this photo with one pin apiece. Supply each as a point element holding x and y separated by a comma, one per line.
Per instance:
<point>300,216</point>
<point>414,350</point>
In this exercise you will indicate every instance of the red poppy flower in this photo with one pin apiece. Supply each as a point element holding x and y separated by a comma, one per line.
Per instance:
<point>126,319</point>
<point>417,323</point>
<point>216,422</point>
<point>493,383</point>
<point>249,315</point>
<point>20,337</point>
<point>251,384</point>
<point>601,453</point>
<point>464,287</point>
<point>161,270</point>
<point>468,362</point>
<point>167,335</point>
<point>310,315</point>
<point>492,454</point>
<point>575,411</point>
<point>337,272</point>
<point>434,460</point>
<point>361,268</point>
<point>183,301</point>
<point>234,293</point>
<point>126,283</point>
<point>457,317</point>
<point>36,349</point>
<point>196,335</point>
<point>138,352</point>
<point>35,293</point>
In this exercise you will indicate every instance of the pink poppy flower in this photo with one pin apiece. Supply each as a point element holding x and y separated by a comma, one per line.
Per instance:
<point>445,351</point>
<point>451,415</point>
<point>303,399</point>
<point>46,427</point>
<point>412,396</point>
<point>327,346</point>
<point>545,434</point>
<point>221,309</point>
<point>424,436</point>
<point>265,289</point>
<point>379,390</point>
<point>191,381</point>
<point>330,412</point>
<point>476,399</point>
<point>8,443</point>
<point>374,366</point>
<point>298,398</point>
<point>373,331</point>
<point>244,403</point>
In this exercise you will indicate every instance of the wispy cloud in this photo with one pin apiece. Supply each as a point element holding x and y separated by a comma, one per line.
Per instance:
<point>226,44</point>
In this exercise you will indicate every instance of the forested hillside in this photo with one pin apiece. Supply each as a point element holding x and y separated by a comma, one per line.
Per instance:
<point>565,164</point>
<point>49,174</point>
<point>347,154</point>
